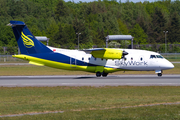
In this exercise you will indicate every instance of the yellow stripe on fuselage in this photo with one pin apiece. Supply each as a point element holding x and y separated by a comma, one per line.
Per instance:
<point>59,65</point>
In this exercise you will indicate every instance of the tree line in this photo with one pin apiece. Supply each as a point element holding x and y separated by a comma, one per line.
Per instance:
<point>60,21</point>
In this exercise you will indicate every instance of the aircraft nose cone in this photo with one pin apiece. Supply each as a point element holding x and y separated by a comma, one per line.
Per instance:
<point>169,65</point>
<point>166,64</point>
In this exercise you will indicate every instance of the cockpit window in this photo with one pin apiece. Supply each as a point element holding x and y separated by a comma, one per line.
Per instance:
<point>159,56</point>
<point>155,56</point>
<point>152,56</point>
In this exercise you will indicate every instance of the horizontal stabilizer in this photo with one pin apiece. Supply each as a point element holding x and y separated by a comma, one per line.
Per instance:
<point>26,57</point>
<point>36,63</point>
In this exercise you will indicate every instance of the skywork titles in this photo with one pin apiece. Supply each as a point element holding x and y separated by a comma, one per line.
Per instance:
<point>130,63</point>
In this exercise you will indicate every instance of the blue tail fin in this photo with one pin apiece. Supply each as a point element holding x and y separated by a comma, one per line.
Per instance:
<point>27,43</point>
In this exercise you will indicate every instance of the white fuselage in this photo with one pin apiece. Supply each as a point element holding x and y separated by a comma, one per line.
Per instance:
<point>140,60</point>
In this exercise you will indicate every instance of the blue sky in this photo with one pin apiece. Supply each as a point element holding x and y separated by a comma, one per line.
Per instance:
<point>117,0</point>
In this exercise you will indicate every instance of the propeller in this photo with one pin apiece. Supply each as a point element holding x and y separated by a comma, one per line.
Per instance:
<point>124,54</point>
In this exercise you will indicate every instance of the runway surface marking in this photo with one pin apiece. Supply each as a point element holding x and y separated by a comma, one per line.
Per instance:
<point>83,109</point>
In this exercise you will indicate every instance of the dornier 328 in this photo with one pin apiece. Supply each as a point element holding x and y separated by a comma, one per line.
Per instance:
<point>100,60</point>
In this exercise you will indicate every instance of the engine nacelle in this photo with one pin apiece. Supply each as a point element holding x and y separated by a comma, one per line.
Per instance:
<point>108,53</point>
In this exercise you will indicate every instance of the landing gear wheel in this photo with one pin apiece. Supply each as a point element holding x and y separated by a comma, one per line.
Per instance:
<point>104,74</point>
<point>159,74</point>
<point>98,74</point>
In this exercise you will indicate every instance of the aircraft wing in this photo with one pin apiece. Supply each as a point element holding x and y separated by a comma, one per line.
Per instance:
<point>96,49</point>
<point>106,53</point>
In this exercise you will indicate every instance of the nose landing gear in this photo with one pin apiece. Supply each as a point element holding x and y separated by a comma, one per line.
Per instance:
<point>159,74</point>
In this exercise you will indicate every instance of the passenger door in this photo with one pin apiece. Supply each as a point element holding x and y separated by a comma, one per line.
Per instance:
<point>73,62</point>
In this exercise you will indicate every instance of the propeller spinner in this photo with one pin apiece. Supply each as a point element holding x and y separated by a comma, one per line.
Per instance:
<point>124,54</point>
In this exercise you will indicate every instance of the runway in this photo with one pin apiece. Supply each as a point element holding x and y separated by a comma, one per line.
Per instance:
<point>90,80</point>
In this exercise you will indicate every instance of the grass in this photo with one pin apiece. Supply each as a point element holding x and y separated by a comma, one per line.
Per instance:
<point>9,70</point>
<point>79,102</point>
<point>144,113</point>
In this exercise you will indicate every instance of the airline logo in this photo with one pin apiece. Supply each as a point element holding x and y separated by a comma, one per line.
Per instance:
<point>130,63</point>
<point>27,41</point>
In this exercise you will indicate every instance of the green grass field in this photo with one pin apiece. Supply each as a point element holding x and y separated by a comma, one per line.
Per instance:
<point>143,113</point>
<point>79,103</point>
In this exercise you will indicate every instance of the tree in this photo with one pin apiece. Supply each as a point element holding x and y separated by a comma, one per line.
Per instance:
<point>122,27</point>
<point>58,36</point>
<point>138,33</point>
<point>68,35</point>
<point>158,25</point>
<point>174,28</point>
<point>80,27</point>
<point>52,31</point>
<point>61,9</point>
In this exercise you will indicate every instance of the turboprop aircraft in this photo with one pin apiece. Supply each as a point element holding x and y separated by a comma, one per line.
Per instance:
<point>100,60</point>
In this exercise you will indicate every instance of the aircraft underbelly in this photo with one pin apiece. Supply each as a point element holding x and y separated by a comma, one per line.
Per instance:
<point>137,68</point>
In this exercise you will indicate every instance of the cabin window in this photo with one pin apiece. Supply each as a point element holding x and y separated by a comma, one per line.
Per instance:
<point>141,59</point>
<point>88,58</point>
<point>152,56</point>
<point>82,58</point>
<point>159,56</point>
<point>94,58</point>
<point>131,58</point>
<point>102,59</point>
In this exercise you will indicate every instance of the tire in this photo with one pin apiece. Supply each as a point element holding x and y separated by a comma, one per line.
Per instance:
<point>98,74</point>
<point>159,74</point>
<point>104,74</point>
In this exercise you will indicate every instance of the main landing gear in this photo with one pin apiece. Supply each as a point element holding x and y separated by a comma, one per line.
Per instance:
<point>98,74</point>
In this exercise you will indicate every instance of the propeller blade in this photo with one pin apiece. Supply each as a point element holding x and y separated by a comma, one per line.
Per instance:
<point>125,53</point>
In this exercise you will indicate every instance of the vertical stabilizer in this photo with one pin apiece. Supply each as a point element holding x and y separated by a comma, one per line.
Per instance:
<point>27,43</point>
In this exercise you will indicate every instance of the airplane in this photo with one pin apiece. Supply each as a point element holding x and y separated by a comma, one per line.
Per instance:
<point>100,61</point>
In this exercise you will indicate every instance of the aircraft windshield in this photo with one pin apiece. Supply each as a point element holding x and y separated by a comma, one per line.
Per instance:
<point>159,56</point>
<point>155,56</point>
<point>152,56</point>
